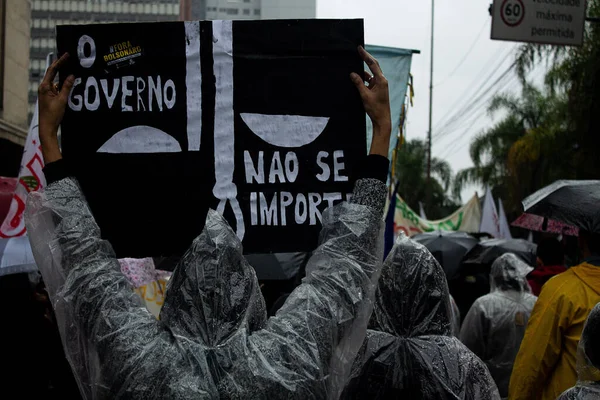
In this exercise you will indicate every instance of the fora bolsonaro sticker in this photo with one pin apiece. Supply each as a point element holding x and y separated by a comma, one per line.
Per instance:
<point>122,54</point>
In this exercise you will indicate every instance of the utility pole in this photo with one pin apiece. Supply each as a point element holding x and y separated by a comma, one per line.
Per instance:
<point>430,109</point>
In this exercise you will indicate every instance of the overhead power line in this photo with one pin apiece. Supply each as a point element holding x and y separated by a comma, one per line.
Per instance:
<point>482,94</point>
<point>465,139</point>
<point>469,121</point>
<point>477,110</point>
<point>468,93</point>
<point>472,95</point>
<point>477,38</point>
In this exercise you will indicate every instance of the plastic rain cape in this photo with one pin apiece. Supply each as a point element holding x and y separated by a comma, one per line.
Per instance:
<point>495,325</point>
<point>588,361</point>
<point>213,339</point>
<point>455,317</point>
<point>410,352</point>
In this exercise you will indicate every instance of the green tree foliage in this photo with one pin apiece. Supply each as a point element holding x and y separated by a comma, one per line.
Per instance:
<point>411,174</point>
<point>515,156</point>
<point>489,153</point>
<point>575,72</point>
<point>544,134</point>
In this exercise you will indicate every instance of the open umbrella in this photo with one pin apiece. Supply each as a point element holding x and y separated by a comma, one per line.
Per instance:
<point>448,248</point>
<point>16,256</point>
<point>541,224</point>
<point>575,203</point>
<point>278,272</point>
<point>487,251</point>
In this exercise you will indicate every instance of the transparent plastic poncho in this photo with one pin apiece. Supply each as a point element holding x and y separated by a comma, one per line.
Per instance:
<point>495,325</point>
<point>588,361</point>
<point>455,317</point>
<point>410,352</point>
<point>213,339</point>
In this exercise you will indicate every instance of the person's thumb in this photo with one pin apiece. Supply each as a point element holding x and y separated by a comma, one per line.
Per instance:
<point>66,88</point>
<point>358,82</point>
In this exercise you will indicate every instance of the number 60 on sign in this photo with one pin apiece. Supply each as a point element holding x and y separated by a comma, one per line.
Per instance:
<point>512,12</point>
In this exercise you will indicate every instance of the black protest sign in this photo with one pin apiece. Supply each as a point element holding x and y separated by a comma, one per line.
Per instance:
<point>256,119</point>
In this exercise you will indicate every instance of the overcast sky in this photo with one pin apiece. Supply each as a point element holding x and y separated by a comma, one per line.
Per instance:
<point>458,24</point>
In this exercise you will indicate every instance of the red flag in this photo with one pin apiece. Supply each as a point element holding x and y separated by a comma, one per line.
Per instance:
<point>31,179</point>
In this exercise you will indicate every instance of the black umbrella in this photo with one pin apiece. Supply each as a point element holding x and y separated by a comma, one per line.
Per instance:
<point>278,273</point>
<point>487,251</point>
<point>575,203</point>
<point>448,248</point>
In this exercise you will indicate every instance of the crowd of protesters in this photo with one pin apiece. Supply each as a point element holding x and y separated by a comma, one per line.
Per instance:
<point>354,327</point>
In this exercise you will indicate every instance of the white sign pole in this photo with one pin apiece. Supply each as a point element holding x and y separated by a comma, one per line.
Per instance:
<point>559,22</point>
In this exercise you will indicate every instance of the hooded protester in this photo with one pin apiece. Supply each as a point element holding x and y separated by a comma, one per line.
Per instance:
<point>550,262</point>
<point>495,325</point>
<point>410,352</point>
<point>213,339</point>
<point>588,362</point>
<point>546,364</point>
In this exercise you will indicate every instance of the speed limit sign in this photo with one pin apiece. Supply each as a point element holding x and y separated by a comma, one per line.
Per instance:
<point>512,12</point>
<point>558,22</point>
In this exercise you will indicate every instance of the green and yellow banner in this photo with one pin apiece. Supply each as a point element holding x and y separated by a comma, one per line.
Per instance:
<point>465,219</point>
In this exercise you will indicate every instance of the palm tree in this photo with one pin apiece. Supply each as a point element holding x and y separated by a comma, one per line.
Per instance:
<point>411,175</point>
<point>532,120</point>
<point>575,71</point>
<point>489,152</point>
<point>532,108</point>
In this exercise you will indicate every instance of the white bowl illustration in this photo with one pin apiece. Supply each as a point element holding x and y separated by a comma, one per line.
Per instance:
<point>285,130</point>
<point>140,139</point>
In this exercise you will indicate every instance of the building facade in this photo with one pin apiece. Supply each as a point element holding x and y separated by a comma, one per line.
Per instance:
<point>47,14</point>
<point>247,9</point>
<point>236,9</point>
<point>14,63</point>
<point>286,9</point>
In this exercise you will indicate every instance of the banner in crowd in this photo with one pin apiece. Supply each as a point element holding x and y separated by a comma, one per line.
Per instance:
<point>490,221</point>
<point>15,251</point>
<point>465,219</point>
<point>503,227</point>
<point>395,64</point>
<point>7,190</point>
<point>256,119</point>
<point>147,282</point>
<point>31,178</point>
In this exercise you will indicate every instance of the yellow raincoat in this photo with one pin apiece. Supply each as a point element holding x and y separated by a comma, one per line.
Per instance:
<point>546,364</point>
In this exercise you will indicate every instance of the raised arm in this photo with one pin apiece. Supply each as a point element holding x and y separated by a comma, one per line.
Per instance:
<point>104,327</point>
<point>52,104</point>
<point>307,349</point>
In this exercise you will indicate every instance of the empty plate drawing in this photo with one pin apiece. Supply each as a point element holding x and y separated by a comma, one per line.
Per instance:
<point>285,130</point>
<point>140,139</point>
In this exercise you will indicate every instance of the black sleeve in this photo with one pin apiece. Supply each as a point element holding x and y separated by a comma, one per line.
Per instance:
<point>374,167</point>
<point>55,171</point>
